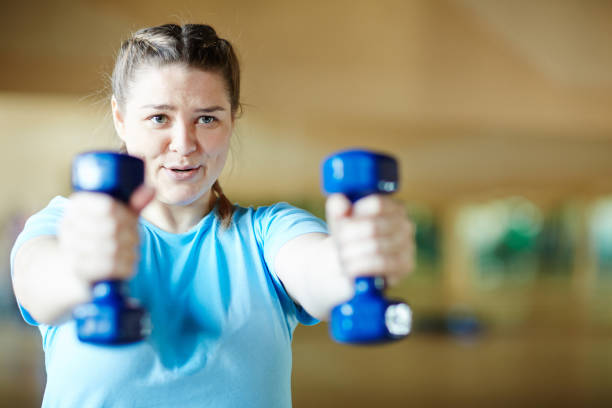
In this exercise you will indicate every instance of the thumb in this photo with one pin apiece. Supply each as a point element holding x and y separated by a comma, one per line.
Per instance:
<point>141,198</point>
<point>337,207</point>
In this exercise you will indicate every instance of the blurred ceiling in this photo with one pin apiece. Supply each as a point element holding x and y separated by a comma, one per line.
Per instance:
<point>508,91</point>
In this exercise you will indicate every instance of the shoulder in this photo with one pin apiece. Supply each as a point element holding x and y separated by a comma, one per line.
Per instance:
<point>284,218</point>
<point>266,214</point>
<point>57,203</point>
<point>259,213</point>
<point>42,223</point>
<point>50,214</point>
<point>280,209</point>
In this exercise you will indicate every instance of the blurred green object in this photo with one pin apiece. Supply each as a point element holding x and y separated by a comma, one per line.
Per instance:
<point>556,244</point>
<point>427,239</point>
<point>502,236</point>
<point>601,236</point>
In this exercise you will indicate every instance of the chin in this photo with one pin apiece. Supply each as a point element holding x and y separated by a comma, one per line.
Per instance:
<point>183,197</point>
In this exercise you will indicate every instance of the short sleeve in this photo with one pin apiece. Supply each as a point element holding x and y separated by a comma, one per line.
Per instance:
<point>277,225</point>
<point>42,223</point>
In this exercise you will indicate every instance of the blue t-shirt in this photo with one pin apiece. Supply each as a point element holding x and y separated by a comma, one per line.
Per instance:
<point>222,322</point>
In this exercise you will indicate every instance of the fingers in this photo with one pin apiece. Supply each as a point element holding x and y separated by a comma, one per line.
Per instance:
<point>99,235</point>
<point>105,241</point>
<point>337,207</point>
<point>358,229</point>
<point>390,255</point>
<point>93,213</point>
<point>392,244</point>
<point>103,264</point>
<point>141,198</point>
<point>378,205</point>
<point>373,238</point>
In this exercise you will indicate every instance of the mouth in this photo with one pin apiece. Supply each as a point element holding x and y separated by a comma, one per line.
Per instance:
<point>181,173</point>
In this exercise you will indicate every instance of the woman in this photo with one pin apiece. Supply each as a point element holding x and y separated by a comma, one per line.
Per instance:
<point>224,285</point>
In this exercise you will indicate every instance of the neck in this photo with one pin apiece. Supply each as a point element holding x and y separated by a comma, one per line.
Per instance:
<point>178,218</point>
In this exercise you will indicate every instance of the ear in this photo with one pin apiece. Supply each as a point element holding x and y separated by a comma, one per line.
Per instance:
<point>118,119</point>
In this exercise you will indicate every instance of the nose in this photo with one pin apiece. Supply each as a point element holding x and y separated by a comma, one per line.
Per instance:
<point>183,138</point>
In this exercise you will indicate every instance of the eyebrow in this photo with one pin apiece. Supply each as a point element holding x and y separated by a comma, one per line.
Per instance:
<point>210,109</point>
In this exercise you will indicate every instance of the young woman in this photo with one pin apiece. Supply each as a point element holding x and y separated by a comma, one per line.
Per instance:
<point>225,286</point>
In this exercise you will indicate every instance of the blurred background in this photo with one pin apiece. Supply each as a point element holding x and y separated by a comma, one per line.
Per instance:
<point>500,113</point>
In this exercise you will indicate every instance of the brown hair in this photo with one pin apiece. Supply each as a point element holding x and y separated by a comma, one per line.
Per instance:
<point>195,45</point>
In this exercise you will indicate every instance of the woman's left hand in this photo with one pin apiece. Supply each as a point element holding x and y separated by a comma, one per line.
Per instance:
<point>373,237</point>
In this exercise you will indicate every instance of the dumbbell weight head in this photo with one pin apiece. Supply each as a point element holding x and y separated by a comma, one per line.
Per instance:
<point>358,173</point>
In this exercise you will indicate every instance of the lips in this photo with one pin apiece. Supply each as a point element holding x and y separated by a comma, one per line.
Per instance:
<point>182,173</point>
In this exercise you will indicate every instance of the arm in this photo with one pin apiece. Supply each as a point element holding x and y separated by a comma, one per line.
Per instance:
<point>96,240</point>
<point>310,270</point>
<point>41,275</point>
<point>372,238</point>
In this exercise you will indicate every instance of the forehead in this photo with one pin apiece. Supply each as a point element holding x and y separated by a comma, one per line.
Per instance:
<point>177,84</point>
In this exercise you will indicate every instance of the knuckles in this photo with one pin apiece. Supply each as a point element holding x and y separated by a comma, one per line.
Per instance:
<point>104,265</point>
<point>99,237</point>
<point>377,205</point>
<point>380,243</point>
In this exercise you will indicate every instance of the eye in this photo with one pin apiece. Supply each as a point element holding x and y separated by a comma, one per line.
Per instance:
<point>207,120</point>
<point>159,119</point>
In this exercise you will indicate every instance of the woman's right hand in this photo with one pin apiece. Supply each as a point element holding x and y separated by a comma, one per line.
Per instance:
<point>98,235</point>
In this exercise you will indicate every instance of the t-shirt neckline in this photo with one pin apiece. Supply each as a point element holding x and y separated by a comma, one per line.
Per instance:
<point>205,220</point>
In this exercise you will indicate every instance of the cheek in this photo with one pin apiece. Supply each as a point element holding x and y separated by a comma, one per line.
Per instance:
<point>217,143</point>
<point>217,147</point>
<point>141,143</point>
<point>219,155</point>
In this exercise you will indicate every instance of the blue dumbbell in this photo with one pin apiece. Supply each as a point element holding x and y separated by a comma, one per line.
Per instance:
<point>368,317</point>
<point>111,317</point>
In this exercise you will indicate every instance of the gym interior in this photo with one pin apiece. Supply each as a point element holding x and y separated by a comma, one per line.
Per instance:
<point>499,113</point>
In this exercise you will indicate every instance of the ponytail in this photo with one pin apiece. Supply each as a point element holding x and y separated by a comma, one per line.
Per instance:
<point>224,207</point>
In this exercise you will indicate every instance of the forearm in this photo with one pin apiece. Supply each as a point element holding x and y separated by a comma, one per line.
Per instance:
<point>42,283</point>
<point>315,279</point>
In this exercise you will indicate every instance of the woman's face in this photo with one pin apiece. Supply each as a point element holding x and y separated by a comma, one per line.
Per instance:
<point>179,120</point>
